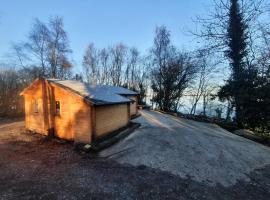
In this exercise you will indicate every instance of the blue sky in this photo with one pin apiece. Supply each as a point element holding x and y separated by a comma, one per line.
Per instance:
<point>102,22</point>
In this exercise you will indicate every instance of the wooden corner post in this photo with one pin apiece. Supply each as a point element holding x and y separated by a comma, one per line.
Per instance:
<point>45,106</point>
<point>93,123</point>
<point>128,110</point>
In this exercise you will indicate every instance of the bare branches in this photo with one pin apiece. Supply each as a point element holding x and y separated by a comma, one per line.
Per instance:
<point>117,65</point>
<point>172,71</point>
<point>212,29</point>
<point>131,68</point>
<point>58,48</point>
<point>118,56</point>
<point>90,64</point>
<point>47,48</point>
<point>204,85</point>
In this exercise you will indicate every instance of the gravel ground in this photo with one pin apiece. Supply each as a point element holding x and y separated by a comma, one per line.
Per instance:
<point>32,167</point>
<point>202,151</point>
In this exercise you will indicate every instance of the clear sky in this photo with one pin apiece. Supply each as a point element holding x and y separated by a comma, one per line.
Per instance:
<point>102,22</point>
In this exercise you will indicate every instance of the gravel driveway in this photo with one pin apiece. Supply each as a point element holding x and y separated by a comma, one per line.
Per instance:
<point>202,151</point>
<point>164,159</point>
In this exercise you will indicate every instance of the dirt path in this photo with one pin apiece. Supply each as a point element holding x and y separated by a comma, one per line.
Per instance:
<point>11,131</point>
<point>32,167</point>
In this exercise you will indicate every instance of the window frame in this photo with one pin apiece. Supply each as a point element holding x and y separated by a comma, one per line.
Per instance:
<point>57,108</point>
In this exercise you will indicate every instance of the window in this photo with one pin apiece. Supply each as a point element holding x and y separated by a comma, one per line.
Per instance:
<point>35,106</point>
<point>57,107</point>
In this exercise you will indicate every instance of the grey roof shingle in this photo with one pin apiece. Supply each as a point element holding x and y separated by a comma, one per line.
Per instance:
<point>97,94</point>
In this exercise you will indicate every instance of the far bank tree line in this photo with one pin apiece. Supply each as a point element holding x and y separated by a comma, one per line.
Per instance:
<point>235,41</point>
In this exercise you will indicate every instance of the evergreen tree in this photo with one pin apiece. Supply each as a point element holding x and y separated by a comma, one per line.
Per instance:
<point>237,50</point>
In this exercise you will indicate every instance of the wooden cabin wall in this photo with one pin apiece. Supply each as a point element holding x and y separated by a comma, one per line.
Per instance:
<point>34,121</point>
<point>110,118</point>
<point>74,120</point>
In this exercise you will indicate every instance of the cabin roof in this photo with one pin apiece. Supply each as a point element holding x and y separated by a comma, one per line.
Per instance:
<point>117,90</point>
<point>97,94</point>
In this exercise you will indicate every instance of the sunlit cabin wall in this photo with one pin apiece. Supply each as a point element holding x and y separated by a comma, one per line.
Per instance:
<point>110,118</point>
<point>34,121</point>
<point>74,119</point>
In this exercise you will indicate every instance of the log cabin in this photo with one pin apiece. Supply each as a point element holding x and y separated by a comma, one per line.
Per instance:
<point>77,111</point>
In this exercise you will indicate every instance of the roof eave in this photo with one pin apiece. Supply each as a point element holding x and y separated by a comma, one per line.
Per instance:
<point>86,98</point>
<point>33,83</point>
<point>136,94</point>
<point>112,103</point>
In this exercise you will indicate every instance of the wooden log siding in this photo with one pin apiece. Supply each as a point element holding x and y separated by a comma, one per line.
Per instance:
<point>110,118</point>
<point>74,119</point>
<point>34,121</point>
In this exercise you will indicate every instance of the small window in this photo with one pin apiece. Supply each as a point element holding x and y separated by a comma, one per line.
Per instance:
<point>35,106</point>
<point>57,107</point>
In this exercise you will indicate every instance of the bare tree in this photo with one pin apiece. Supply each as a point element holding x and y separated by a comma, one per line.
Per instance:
<point>141,79</point>
<point>212,29</point>
<point>47,48</point>
<point>171,73</point>
<point>204,80</point>
<point>38,44</point>
<point>58,48</point>
<point>117,56</point>
<point>18,51</point>
<point>131,67</point>
<point>160,53</point>
<point>104,65</point>
<point>90,64</point>
<point>117,65</point>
